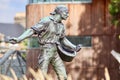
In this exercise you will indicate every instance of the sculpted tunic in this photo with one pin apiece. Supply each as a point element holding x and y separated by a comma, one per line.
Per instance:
<point>49,33</point>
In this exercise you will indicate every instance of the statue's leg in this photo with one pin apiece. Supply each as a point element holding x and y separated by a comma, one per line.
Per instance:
<point>59,67</point>
<point>43,61</point>
<point>45,58</point>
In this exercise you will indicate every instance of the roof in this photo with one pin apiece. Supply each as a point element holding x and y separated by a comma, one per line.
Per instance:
<point>11,30</point>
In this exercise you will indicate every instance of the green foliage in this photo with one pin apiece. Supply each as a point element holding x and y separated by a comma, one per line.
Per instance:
<point>24,55</point>
<point>33,42</point>
<point>24,44</point>
<point>114,9</point>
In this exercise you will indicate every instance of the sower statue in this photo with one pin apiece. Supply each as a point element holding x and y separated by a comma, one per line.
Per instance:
<point>51,32</point>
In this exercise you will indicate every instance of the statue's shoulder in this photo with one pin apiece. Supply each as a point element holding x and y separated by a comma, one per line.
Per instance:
<point>45,20</point>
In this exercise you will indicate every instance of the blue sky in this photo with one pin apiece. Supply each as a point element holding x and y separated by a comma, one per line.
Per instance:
<point>8,9</point>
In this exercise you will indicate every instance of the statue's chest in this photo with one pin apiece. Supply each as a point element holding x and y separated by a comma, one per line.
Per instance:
<point>55,28</point>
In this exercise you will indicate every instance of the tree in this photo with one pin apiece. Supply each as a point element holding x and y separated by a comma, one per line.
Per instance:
<point>114,9</point>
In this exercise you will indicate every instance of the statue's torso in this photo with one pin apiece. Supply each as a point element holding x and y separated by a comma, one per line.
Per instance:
<point>52,33</point>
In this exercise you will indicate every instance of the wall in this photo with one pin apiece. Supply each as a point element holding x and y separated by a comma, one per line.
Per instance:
<point>93,19</point>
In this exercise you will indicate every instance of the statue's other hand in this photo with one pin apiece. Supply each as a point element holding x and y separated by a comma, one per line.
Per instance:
<point>78,47</point>
<point>13,40</point>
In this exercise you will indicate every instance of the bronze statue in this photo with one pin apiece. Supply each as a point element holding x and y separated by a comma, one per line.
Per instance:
<point>51,33</point>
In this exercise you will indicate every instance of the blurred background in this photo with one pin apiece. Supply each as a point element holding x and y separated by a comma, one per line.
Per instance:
<point>93,23</point>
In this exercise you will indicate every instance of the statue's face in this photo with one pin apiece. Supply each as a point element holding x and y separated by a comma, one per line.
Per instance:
<point>64,14</point>
<point>62,11</point>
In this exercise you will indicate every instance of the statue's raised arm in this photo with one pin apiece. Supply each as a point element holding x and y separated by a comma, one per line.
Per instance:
<point>28,33</point>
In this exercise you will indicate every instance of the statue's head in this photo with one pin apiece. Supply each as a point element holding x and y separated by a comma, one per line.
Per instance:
<point>62,11</point>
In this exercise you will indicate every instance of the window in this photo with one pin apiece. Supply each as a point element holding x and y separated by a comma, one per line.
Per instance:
<point>84,40</point>
<point>79,1</point>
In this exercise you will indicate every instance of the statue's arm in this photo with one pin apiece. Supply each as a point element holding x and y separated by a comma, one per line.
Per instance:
<point>29,32</point>
<point>26,34</point>
<point>65,41</point>
<point>68,44</point>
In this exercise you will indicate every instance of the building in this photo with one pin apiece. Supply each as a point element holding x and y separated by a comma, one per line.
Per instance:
<point>20,18</point>
<point>8,30</point>
<point>88,18</point>
<point>11,30</point>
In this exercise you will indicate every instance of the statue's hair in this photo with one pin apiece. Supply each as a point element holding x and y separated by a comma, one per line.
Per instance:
<point>59,9</point>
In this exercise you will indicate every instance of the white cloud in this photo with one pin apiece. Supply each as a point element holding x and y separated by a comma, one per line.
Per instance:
<point>20,1</point>
<point>5,11</point>
<point>4,4</point>
<point>6,18</point>
<point>8,9</point>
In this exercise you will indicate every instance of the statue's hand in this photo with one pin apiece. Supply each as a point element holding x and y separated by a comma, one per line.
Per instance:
<point>13,40</point>
<point>78,47</point>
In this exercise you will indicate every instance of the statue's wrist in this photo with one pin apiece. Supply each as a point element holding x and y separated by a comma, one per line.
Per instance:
<point>78,47</point>
<point>18,40</point>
